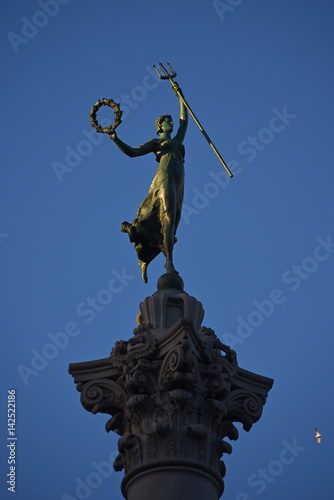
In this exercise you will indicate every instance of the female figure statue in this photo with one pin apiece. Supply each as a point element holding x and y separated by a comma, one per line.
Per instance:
<point>158,216</point>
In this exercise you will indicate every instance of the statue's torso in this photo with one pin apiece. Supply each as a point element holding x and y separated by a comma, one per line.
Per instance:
<point>169,147</point>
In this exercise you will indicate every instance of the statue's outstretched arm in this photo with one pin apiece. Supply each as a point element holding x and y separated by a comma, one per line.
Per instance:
<point>144,149</point>
<point>183,114</point>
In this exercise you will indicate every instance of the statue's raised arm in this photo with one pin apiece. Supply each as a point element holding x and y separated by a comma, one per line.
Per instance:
<point>183,114</point>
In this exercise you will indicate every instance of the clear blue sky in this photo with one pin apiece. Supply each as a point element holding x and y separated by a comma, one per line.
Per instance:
<point>259,75</point>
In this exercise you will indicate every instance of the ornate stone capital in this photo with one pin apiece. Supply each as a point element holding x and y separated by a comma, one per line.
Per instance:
<point>173,391</point>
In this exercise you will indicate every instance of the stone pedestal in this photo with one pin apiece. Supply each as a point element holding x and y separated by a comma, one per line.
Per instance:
<point>173,391</point>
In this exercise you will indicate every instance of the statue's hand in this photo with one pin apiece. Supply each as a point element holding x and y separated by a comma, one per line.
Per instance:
<point>176,88</point>
<point>112,135</point>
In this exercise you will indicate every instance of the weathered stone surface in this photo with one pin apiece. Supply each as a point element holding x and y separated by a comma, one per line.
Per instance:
<point>173,392</point>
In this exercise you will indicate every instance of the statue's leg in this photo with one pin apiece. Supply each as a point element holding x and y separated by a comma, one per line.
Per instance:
<point>145,254</point>
<point>168,216</point>
<point>143,267</point>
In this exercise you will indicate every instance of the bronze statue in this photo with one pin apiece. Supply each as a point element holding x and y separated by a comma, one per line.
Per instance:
<point>154,229</point>
<point>158,216</point>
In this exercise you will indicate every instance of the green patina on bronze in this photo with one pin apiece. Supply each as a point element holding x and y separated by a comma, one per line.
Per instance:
<point>154,229</point>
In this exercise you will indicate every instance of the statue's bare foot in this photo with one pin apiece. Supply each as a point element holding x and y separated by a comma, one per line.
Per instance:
<point>125,227</point>
<point>170,268</point>
<point>143,267</point>
<point>131,230</point>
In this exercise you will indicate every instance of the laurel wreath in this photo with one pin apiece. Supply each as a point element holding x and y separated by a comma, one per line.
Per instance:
<point>118,115</point>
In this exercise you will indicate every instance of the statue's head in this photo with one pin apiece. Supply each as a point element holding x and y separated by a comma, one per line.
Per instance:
<point>159,121</point>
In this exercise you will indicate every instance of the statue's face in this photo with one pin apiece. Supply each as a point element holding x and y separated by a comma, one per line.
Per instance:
<point>167,124</point>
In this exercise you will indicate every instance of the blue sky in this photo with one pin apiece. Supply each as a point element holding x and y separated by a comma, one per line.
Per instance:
<point>257,251</point>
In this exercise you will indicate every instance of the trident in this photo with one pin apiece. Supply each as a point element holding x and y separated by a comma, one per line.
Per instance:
<point>170,77</point>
